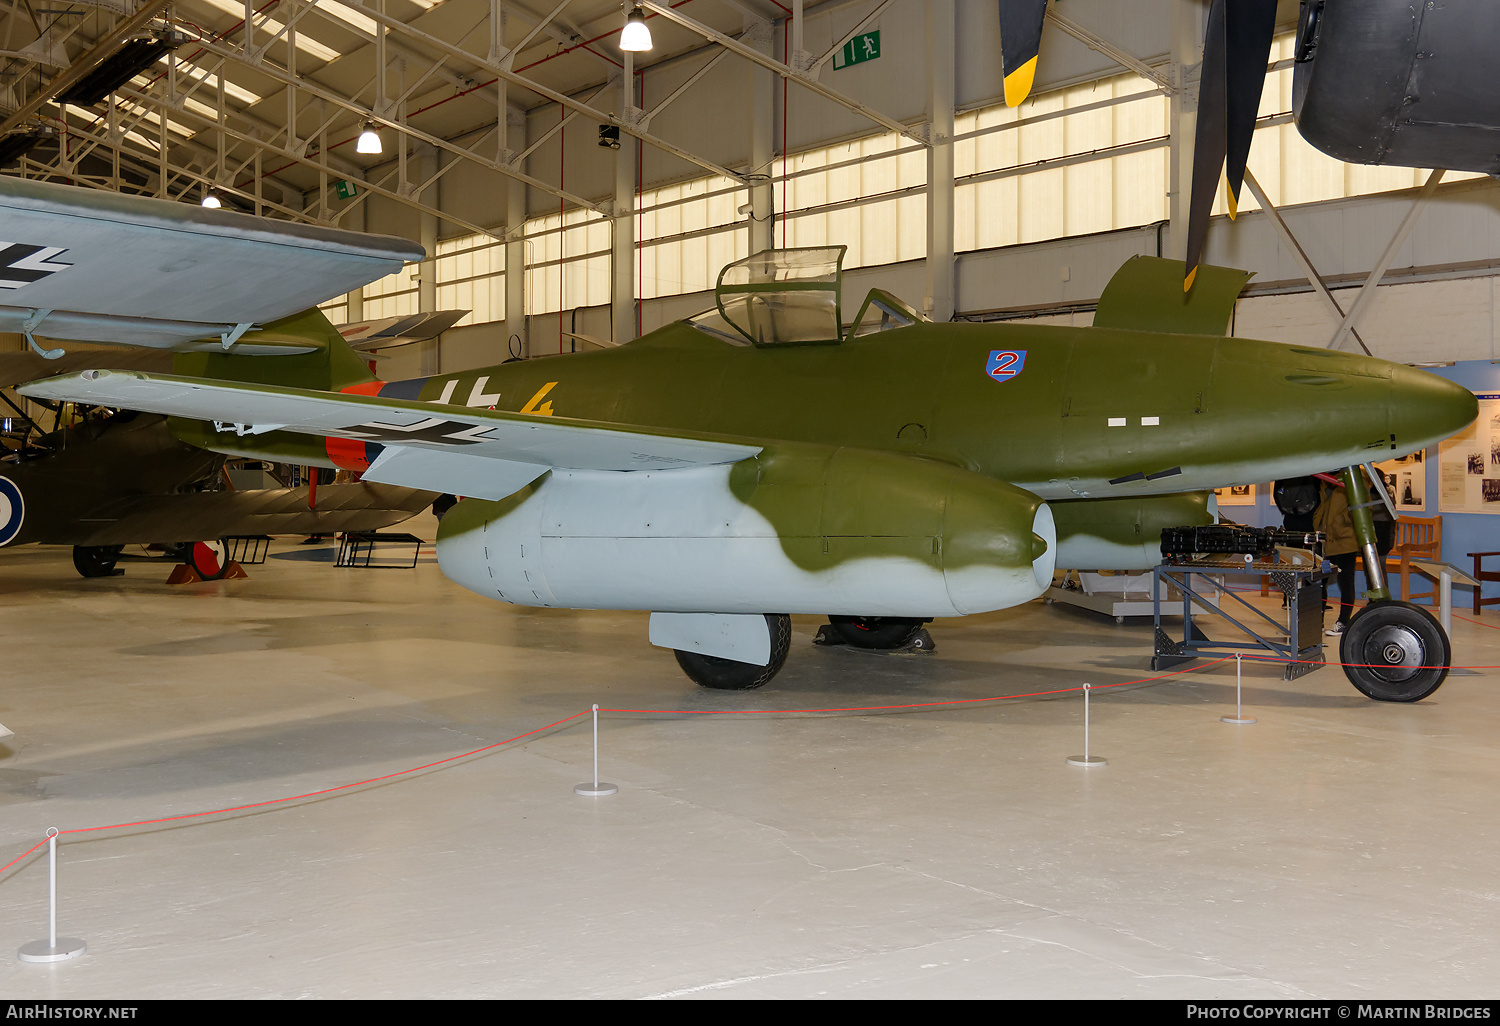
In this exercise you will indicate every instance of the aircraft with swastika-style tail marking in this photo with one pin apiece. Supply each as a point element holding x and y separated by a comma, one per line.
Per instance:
<point>763,458</point>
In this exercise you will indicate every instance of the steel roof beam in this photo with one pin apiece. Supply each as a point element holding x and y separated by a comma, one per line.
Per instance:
<point>562,99</point>
<point>135,122</point>
<point>1114,53</point>
<point>368,114</point>
<point>359,181</point>
<point>771,63</point>
<point>86,62</point>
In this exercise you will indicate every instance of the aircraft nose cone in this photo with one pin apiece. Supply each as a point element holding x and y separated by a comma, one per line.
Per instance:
<point>1425,408</point>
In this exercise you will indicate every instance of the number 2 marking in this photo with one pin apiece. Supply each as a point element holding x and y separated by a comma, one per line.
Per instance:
<point>1006,364</point>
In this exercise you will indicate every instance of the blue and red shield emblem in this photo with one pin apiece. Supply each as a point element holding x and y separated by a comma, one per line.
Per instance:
<point>1006,363</point>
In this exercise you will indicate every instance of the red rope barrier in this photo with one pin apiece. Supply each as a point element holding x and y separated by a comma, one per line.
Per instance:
<point>568,719</point>
<point>917,705</point>
<point>298,797</point>
<point>950,703</point>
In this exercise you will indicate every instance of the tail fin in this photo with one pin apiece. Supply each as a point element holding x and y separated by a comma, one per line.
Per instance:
<point>323,360</point>
<point>1146,295</point>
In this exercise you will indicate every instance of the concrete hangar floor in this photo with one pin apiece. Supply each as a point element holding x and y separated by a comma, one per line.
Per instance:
<point>1337,848</point>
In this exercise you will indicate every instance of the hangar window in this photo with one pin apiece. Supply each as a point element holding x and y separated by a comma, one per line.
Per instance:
<point>686,233</point>
<point>1073,161</point>
<point>567,261</point>
<point>394,295</point>
<point>470,274</point>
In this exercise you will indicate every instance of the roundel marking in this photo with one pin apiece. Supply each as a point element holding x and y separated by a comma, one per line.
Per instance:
<point>12,510</point>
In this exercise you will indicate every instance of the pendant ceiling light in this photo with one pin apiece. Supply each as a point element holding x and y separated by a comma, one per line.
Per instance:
<point>369,140</point>
<point>635,36</point>
<point>211,200</point>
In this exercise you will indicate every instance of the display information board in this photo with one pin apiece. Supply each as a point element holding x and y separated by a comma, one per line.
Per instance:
<point>1237,495</point>
<point>1469,463</point>
<point>1406,480</point>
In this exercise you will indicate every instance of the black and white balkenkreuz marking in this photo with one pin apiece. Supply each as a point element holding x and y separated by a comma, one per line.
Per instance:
<point>432,431</point>
<point>21,264</point>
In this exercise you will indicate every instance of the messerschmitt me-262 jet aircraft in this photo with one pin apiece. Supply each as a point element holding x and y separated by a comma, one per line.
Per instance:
<point>756,460</point>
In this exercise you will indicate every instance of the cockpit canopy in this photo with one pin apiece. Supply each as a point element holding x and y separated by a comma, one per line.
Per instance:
<point>790,297</point>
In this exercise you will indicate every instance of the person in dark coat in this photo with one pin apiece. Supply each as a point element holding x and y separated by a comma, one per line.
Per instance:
<point>1341,547</point>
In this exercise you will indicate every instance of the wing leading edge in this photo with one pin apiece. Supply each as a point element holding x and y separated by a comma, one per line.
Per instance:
<point>484,453</point>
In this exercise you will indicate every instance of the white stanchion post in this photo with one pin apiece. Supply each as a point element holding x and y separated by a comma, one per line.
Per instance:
<point>1086,759</point>
<point>55,948</point>
<point>1239,714</point>
<point>595,789</point>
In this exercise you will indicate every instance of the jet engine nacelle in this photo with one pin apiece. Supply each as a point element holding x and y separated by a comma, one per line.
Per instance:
<point>1124,534</point>
<point>797,529</point>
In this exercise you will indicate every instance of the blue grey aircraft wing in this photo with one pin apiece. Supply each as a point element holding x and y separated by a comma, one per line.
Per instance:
<point>101,267</point>
<point>488,454</point>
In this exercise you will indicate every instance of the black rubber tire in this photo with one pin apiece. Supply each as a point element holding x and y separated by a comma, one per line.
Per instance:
<point>1395,652</point>
<point>880,632</point>
<point>96,560</point>
<point>730,675</point>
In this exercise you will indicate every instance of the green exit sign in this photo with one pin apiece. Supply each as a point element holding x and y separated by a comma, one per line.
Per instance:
<point>346,190</point>
<point>863,47</point>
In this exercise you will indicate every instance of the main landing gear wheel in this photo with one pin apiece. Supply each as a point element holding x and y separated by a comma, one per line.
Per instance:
<point>729,674</point>
<point>879,632</point>
<point>1395,652</point>
<point>209,558</point>
<point>96,560</point>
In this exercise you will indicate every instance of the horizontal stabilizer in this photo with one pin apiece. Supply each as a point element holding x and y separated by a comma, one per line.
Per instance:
<point>403,329</point>
<point>461,440</point>
<point>1146,295</point>
<point>82,265</point>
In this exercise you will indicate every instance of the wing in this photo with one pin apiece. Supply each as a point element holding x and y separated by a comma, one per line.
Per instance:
<point>199,516</point>
<point>484,453</point>
<point>99,267</point>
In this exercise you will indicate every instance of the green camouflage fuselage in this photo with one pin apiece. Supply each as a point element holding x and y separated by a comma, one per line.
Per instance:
<point>1139,425</point>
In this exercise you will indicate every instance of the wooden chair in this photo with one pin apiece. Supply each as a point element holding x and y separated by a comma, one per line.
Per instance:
<point>1416,538</point>
<point>1481,574</point>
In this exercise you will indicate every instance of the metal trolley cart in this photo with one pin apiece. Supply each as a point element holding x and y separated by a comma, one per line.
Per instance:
<point>1203,564</point>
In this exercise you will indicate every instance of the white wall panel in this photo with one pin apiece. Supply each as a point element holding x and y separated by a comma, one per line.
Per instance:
<point>1417,322</point>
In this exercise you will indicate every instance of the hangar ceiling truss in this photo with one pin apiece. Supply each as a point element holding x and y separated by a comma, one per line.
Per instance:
<point>264,98</point>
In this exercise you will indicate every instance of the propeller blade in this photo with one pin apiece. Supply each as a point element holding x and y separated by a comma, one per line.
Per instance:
<point>1020,42</point>
<point>1251,25</point>
<point>1210,140</point>
<point>1235,51</point>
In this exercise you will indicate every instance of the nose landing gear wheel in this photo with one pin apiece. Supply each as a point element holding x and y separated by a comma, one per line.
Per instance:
<point>1395,652</point>
<point>731,675</point>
